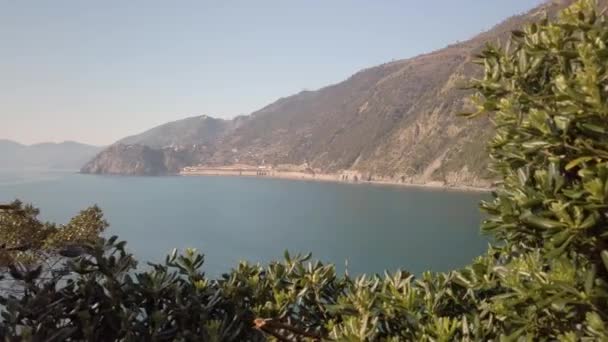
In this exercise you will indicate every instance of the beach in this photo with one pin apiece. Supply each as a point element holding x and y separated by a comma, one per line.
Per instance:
<point>347,177</point>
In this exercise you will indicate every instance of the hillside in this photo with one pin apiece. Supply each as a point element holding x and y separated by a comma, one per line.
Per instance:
<point>164,149</point>
<point>66,155</point>
<point>202,130</point>
<point>394,121</point>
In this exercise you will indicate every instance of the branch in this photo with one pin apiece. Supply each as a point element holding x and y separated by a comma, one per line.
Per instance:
<point>269,326</point>
<point>7,207</point>
<point>19,248</point>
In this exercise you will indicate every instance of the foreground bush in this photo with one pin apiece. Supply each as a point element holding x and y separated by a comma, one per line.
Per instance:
<point>292,300</point>
<point>545,279</point>
<point>24,239</point>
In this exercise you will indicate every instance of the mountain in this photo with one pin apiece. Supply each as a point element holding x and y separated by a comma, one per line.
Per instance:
<point>164,149</point>
<point>393,121</point>
<point>65,155</point>
<point>203,130</point>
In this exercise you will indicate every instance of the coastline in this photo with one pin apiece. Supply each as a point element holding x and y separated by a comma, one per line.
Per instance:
<point>335,178</point>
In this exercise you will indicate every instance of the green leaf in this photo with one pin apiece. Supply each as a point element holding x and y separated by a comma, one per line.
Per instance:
<point>576,162</point>
<point>590,279</point>
<point>604,255</point>
<point>593,128</point>
<point>470,115</point>
<point>540,222</point>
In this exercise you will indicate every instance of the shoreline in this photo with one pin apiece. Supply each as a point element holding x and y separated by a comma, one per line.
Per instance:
<point>334,178</point>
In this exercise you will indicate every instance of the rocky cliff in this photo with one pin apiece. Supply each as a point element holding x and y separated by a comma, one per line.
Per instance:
<point>393,121</point>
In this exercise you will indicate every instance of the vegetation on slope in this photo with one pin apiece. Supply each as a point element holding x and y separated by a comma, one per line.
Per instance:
<point>199,130</point>
<point>546,278</point>
<point>164,149</point>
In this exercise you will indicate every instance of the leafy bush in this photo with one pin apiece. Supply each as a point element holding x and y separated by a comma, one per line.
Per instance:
<point>546,278</point>
<point>25,234</point>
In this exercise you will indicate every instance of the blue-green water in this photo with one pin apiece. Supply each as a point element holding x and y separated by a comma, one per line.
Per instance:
<point>231,219</point>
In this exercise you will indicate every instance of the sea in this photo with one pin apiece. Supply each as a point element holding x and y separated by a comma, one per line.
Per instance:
<point>361,228</point>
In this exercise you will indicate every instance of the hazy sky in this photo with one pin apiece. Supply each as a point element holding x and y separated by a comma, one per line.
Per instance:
<point>96,71</point>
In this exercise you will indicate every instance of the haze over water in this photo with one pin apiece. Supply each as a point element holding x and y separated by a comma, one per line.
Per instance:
<point>231,218</point>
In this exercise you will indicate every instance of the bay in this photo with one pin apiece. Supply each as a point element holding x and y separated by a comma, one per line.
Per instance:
<point>374,228</point>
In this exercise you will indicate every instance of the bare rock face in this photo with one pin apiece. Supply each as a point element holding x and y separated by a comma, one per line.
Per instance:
<point>395,121</point>
<point>162,150</point>
<point>140,160</point>
<point>127,160</point>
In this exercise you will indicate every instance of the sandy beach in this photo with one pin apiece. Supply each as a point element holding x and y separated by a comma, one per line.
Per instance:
<point>324,177</point>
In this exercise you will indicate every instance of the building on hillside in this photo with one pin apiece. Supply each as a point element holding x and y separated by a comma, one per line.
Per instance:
<point>350,176</point>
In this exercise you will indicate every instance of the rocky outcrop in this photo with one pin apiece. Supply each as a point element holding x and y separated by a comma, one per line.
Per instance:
<point>140,160</point>
<point>164,149</point>
<point>128,160</point>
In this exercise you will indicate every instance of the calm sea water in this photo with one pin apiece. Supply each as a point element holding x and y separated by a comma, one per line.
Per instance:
<point>231,219</point>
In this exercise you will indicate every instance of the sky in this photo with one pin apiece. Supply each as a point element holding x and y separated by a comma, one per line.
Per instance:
<point>96,71</point>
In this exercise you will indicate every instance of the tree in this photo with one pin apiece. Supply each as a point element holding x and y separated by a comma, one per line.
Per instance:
<point>25,239</point>
<point>31,247</point>
<point>547,93</point>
